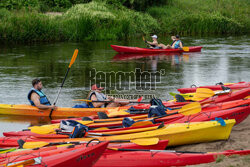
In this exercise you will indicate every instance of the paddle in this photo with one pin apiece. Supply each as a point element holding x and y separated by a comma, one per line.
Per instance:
<point>86,100</point>
<point>171,151</point>
<point>188,109</point>
<point>148,45</point>
<point>141,141</point>
<point>118,133</point>
<point>202,93</point>
<point>71,63</point>
<point>185,49</point>
<point>50,129</point>
<point>22,163</point>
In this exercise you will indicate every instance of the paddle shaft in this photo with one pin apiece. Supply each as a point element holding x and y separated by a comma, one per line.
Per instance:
<point>98,101</point>
<point>59,91</point>
<point>171,151</point>
<point>71,62</point>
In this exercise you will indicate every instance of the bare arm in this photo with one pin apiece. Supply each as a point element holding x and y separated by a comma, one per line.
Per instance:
<point>96,104</point>
<point>36,99</point>
<point>181,46</point>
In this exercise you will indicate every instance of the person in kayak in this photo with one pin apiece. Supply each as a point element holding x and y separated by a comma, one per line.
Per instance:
<point>37,98</point>
<point>96,95</point>
<point>177,44</point>
<point>162,46</point>
<point>154,44</point>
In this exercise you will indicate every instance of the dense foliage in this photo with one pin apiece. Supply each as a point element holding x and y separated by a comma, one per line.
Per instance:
<point>77,20</point>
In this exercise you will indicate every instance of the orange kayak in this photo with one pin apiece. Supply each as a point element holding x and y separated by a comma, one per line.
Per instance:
<point>24,109</point>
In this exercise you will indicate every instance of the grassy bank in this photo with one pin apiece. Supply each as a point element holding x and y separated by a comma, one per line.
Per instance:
<point>91,21</point>
<point>189,17</point>
<point>101,21</point>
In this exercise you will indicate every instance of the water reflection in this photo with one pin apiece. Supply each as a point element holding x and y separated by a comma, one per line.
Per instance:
<point>153,59</point>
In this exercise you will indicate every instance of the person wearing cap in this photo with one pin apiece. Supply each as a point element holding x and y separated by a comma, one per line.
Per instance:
<point>153,44</point>
<point>177,43</point>
<point>37,98</point>
<point>96,95</point>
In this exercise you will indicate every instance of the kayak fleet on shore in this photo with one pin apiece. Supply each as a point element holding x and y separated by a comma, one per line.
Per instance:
<point>130,135</point>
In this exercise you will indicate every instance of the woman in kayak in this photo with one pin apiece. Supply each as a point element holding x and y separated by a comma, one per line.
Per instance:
<point>154,44</point>
<point>96,95</point>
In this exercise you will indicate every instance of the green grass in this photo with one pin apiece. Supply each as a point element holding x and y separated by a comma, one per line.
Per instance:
<point>92,21</point>
<point>189,17</point>
<point>99,21</point>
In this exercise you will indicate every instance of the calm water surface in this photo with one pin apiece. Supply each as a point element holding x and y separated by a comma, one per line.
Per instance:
<point>221,60</point>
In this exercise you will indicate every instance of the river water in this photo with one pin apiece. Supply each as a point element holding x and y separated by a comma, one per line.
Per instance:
<point>223,59</point>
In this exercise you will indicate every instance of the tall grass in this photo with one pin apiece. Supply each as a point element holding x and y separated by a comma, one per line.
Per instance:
<point>92,21</point>
<point>204,17</point>
<point>100,21</point>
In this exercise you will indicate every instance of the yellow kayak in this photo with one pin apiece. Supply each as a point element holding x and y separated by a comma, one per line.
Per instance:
<point>177,134</point>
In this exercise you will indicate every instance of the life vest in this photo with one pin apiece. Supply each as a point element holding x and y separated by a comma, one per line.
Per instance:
<point>177,44</point>
<point>99,96</point>
<point>43,99</point>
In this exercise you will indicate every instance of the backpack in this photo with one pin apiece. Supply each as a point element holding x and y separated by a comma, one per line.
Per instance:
<point>157,108</point>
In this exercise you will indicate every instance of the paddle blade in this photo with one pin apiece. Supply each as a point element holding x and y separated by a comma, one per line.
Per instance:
<point>143,38</point>
<point>202,93</point>
<point>185,49</point>
<point>142,123</point>
<point>21,164</point>
<point>30,145</point>
<point>190,109</point>
<point>145,141</point>
<point>115,112</point>
<point>82,100</point>
<point>45,129</point>
<point>73,58</point>
<point>140,99</point>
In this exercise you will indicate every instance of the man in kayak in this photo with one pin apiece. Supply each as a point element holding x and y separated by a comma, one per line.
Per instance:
<point>154,44</point>
<point>97,95</point>
<point>37,98</point>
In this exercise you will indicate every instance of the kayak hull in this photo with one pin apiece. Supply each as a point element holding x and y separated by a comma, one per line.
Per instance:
<point>160,159</point>
<point>128,49</point>
<point>65,156</point>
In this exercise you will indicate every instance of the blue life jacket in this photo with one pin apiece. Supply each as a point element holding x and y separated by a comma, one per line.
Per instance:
<point>43,99</point>
<point>177,44</point>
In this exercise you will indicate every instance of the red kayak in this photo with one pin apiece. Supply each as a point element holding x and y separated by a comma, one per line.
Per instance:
<point>160,158</point>
<point>239,85</point>
<point>128,49</point>
<point>66,156</point>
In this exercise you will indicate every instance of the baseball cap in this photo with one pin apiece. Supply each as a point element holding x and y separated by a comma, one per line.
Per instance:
<point>154,36</point>
<point>177,36</point>
<point>96,87</point>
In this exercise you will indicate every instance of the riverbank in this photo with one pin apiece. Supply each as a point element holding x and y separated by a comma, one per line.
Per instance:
<point>101,21</point>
